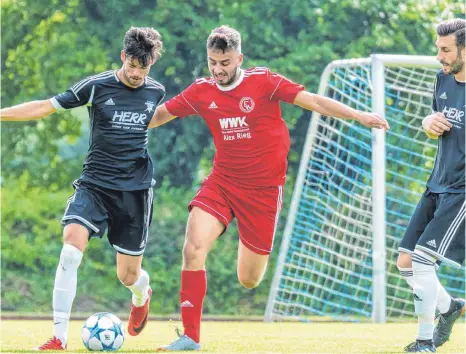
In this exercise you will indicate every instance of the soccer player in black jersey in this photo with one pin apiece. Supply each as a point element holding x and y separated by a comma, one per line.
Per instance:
<point>436,232</point>
<point>114,190</point>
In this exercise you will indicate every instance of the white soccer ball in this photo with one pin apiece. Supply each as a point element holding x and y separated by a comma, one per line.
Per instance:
<point>103,331</point>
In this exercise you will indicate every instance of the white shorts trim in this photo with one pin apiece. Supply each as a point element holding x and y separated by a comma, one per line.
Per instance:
<point>215,211</point>
<point>279,209</point>
<point>84,221</point>
<point>439,256</point>
<point>449,235</point>
<point>131,253</point>
<point>257,248</point>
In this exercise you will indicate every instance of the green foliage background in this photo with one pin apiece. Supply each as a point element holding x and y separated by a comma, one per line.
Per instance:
<point>49,45</point>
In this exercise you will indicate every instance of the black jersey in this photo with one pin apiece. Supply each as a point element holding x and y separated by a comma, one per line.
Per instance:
<point>448,173</point>
<point>119,116</point>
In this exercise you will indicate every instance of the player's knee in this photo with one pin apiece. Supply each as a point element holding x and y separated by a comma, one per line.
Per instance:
<point>127,276</point>
<point>76,235</point>
<point>249,282</point>
<point>194,253</point>
<point>404,260</point>
<point>70,257</point>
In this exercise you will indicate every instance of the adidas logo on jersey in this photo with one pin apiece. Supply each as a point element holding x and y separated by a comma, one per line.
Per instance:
<point>443,96</point>
<point>109,102</point>
<point>213,105</point>
<point>432,243</point>
<point>186,304</point>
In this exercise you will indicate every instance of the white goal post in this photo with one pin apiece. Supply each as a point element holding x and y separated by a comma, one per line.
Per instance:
<point>354,194</point>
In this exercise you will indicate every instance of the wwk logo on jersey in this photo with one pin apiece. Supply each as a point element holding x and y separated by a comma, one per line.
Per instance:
<point>236,122</point>
<point>235,128</point>
<point>246,104</point>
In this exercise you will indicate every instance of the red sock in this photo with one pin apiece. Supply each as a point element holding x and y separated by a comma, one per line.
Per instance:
<point>193,290</point>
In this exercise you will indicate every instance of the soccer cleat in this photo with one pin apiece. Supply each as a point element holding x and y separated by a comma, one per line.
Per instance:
<point>182,343</point>
<point>52,344</point>
<point>139,316</point>
<point>445,323</point>
<point>421,346</point>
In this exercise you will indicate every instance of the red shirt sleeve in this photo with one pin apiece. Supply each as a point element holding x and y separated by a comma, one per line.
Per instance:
<point>282,88</point>
<point>183,104</point>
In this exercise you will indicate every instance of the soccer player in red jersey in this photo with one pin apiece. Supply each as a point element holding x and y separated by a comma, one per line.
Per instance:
<point>242,111</point>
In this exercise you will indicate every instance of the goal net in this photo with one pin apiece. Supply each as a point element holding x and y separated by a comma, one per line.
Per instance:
<point>354,195</point>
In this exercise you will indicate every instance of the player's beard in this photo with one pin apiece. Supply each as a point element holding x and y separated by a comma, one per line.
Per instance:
<point>455,66</point>
<point>132,81</point>
<point>233,78</point>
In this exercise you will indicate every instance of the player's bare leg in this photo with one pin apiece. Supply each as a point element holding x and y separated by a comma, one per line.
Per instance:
<point>136,279</point>
<point>201,232</point>
<point>75,238</point>
<point>405,266</point>
<point>251,267</point>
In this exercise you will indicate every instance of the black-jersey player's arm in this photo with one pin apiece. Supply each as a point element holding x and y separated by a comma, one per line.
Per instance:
<point>435,124</point>
<point>160,117</point>
<point>32,110</point>
<point>77,95</point>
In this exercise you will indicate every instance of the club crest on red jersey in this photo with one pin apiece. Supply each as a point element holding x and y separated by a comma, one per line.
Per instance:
<point>246,104</point>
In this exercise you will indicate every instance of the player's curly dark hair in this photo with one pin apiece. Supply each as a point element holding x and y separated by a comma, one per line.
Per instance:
<point>456,27</point>
<point>224,39</point>
<point>144,44</point>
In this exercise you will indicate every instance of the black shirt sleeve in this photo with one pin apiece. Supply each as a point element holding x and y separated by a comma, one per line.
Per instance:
<point>78,95</point>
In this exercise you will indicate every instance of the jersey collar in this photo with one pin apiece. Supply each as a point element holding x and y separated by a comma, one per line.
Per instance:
<point>233,85</point>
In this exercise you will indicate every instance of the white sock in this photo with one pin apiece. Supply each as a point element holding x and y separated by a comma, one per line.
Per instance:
<point>443,299</point>
<point>64,289</point>
<point>425,293</point>
<point>140,289</point>
<point>407,273</point>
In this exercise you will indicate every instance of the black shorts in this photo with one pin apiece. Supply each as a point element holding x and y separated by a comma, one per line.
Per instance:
<point>126,214</point>
<point>437,227</point>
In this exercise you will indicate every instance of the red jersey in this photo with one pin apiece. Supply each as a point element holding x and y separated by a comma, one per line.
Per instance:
<point>250,136</point>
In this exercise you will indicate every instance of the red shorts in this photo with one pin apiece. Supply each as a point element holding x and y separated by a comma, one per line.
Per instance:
<point>256,210</point>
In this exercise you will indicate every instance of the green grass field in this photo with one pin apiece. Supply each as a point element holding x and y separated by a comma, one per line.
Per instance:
<point>244,337</point>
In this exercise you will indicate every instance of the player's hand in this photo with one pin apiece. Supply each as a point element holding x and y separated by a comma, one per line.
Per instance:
<point>435,125</point>
<point>372,120</point>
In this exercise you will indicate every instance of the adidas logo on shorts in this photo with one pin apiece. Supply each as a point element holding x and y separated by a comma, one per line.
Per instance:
<point>186,304</point>
<point>432,243</point>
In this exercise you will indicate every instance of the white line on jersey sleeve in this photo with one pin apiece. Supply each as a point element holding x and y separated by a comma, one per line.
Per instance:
<point>276,88</point>
<point>182,95</point>
<point>56,104</point>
